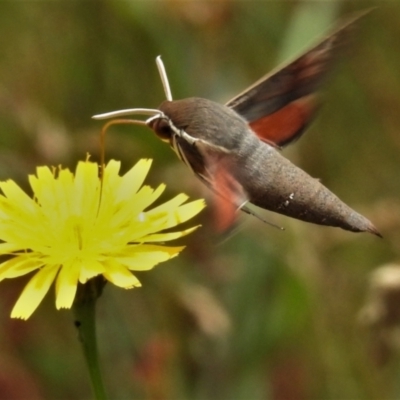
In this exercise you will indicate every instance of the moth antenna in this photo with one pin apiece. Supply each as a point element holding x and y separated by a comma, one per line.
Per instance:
<point>127,112</point>
<point>164,78</point>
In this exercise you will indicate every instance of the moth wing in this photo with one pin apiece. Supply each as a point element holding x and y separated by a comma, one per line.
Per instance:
<point>216,170</point>
<point>281,104</point>
<point>229,195</point>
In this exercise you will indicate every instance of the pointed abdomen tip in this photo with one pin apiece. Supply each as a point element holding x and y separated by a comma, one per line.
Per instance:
<point>358,223</point>
<point>373,230</point>
<point>368,226</point>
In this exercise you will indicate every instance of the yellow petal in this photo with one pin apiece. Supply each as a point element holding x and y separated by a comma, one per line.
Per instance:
<point>66,285</point>
<point>51,193</point>
<point>129,210</point>
<point>8,248</point>
<point>146,227</point>
<point>86,189</point>
<point>184,213</point>
<point>90,269</point>
<point>34,292</point>
<point>16,195</point>
<point>45,175</point>
<point>43,186</point>
<point>111,181</point>
<point>145,257</point>
<point>18,266</point>
<point>164,237</point>
<point>141,202</point>
<point>189,210</point>
<point>120,276</point>
<point>133,180</point>
<point>169,205</point>
<point>149,248</point>
<point>111,170</point>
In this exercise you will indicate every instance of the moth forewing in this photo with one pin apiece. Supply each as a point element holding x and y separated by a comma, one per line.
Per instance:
<point>281,104</point>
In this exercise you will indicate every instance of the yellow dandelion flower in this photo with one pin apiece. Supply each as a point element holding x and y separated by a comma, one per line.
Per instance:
<point>75,229</point>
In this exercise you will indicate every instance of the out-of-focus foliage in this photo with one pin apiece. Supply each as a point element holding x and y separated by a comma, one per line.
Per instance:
<point>260,314</point>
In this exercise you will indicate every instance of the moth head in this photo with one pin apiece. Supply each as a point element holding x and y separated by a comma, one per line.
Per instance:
<point>162,126</point>
<point>181,112</point>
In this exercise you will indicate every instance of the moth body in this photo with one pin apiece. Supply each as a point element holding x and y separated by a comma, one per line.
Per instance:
<point>268,180</point>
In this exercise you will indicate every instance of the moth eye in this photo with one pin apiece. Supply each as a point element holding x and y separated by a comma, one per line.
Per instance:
<point>162,129</point>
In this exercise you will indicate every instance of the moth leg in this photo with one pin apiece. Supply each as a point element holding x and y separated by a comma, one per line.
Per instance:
<point>251,212</point>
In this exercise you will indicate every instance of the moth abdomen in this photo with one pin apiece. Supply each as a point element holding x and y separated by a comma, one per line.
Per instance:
<point>272,182</point>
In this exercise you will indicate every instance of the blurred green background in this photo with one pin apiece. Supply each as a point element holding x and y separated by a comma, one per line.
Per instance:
<point>260,313</point>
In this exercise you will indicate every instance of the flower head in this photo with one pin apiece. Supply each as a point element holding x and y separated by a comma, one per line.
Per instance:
<point>76,228</point>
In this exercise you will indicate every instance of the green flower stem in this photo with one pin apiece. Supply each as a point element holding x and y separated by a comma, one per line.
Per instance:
<point>85,321</point>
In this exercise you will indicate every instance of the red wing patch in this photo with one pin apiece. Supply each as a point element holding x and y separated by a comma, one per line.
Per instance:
<point>219,175</point>
<point>228,200</point>
<point>286,124</point>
